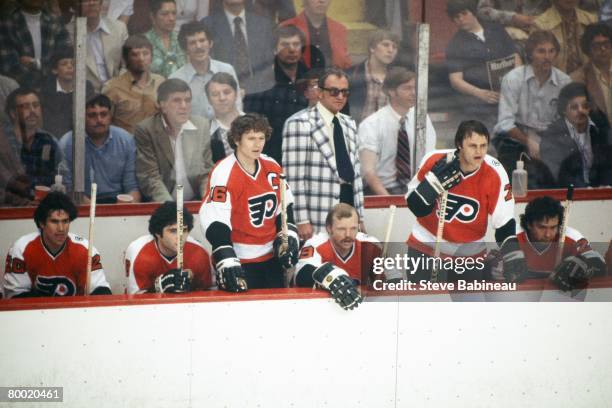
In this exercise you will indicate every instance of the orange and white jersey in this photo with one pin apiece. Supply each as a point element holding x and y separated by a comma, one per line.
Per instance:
<point>482,194</point>
<point>543,259</point>
<point>30,266</point>
<point>319,250</point>
<point>247,204</point>
<point>144,263</point>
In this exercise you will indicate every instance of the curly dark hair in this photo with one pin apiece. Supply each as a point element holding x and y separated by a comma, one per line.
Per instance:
<point>165,215</point>
<point>246,123</point>
<point>54,201</point>
<point>541,208</point>
<point>590,32</point>
<point>466,128</point>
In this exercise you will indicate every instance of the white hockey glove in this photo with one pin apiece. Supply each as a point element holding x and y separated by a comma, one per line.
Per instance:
<point>339,284</point>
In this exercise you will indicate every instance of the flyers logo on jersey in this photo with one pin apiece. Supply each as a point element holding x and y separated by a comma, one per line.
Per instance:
<point>55,285</point>
<point>462,208</point>
<point>262,207</point>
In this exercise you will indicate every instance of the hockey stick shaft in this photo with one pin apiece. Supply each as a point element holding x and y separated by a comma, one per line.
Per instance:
<point>92,220</point>
<point>439,234</point>
<point>179,227</point>
<point>385,249</point>
<point>563,228</point>
<point>284,227</point>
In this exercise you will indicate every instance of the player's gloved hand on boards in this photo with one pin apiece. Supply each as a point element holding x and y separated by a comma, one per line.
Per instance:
<point>339,284</point>
<point>444,175</point>
<point>572,273</point>
<point>230,276</point>
<point>515,264</point>
<point>173,281</point>
<point>287,257</point>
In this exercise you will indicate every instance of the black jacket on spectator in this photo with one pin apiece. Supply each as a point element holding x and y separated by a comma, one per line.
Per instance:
<point>57,107</point>
<point>561,155</point>
<point>277,104</point>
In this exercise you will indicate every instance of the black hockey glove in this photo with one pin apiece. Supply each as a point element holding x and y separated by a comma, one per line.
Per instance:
<point>573,272</point>
<point>339,284</point>
<point>228,270</point>
<point>230,276</point>
<point>288,257</point>
<point>443,176</point>
<point>515,265</point>
<point>173,281</point>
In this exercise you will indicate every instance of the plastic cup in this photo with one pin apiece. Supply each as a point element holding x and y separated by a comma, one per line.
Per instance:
<point>40,192</point>
<point>124,198</point>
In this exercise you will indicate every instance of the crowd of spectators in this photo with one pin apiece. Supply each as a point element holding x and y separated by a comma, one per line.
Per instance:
<point>166,78</point>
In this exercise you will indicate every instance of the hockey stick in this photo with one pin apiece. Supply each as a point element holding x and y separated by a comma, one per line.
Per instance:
<point>562,229</point>
<point>179,227</point>
<point>284,227</point>
<point>385,249</point>
<point>92,219</point>
<point>440,231</point>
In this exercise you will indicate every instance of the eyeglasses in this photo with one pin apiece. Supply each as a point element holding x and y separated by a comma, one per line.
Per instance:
<point>601,46</point>
<point>336,91</point>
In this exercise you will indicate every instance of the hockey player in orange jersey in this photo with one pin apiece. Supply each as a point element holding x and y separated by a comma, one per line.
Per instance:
<point>479,192</point>
<point>240,213</point>
<point>52,261</point>
<point>337,259</point>
<point>150,261</point>
<point>539,238</point>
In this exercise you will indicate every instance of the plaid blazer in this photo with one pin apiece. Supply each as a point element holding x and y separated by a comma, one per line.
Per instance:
<point>16,41</point>
<point>310,166</point>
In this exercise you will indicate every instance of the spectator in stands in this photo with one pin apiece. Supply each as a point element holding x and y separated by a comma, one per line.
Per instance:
<point>245,40</point>
<point>57,93</point>
<point>597,73</point>
<point>36,147</point>
<point>110,154</point>
<point>276,10</point>
<point>320,156</point>
<point>567,22</point>
<point>7,85</point>
<point>188,11</point>
<point>29,36</point>
<point>173,147</point>
<point>167,54</point>
<point>574,147</point>
<point>195,39</point>
<point>528,99</point>
<point>472,55</point>
<point>367,95</point>
<point>120,10</point>
<point>15,185</point>
<point>517,15</point>
<point>309,86</point>
<point>134,93</point>
<point>283,99</point>
<point>222,92</point>
<point>105,38</point>
<point>387,145</point>
<point>326,39</point>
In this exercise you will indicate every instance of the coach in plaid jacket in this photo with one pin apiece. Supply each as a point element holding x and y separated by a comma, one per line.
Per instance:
<point>309,155</point>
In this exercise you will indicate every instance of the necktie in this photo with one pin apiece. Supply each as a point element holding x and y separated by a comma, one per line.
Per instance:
<point>402,159</point>
<point>343,163</point>
<point>242,64</point>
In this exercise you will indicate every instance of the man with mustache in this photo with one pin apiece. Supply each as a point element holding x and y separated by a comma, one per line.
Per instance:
<point>575,147</point>
<point>110,154</point>
<point>527,100</point>
<point>36,148</point>
<point>195,39</point>
<point>336,259</point>
<point>52,261</point>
